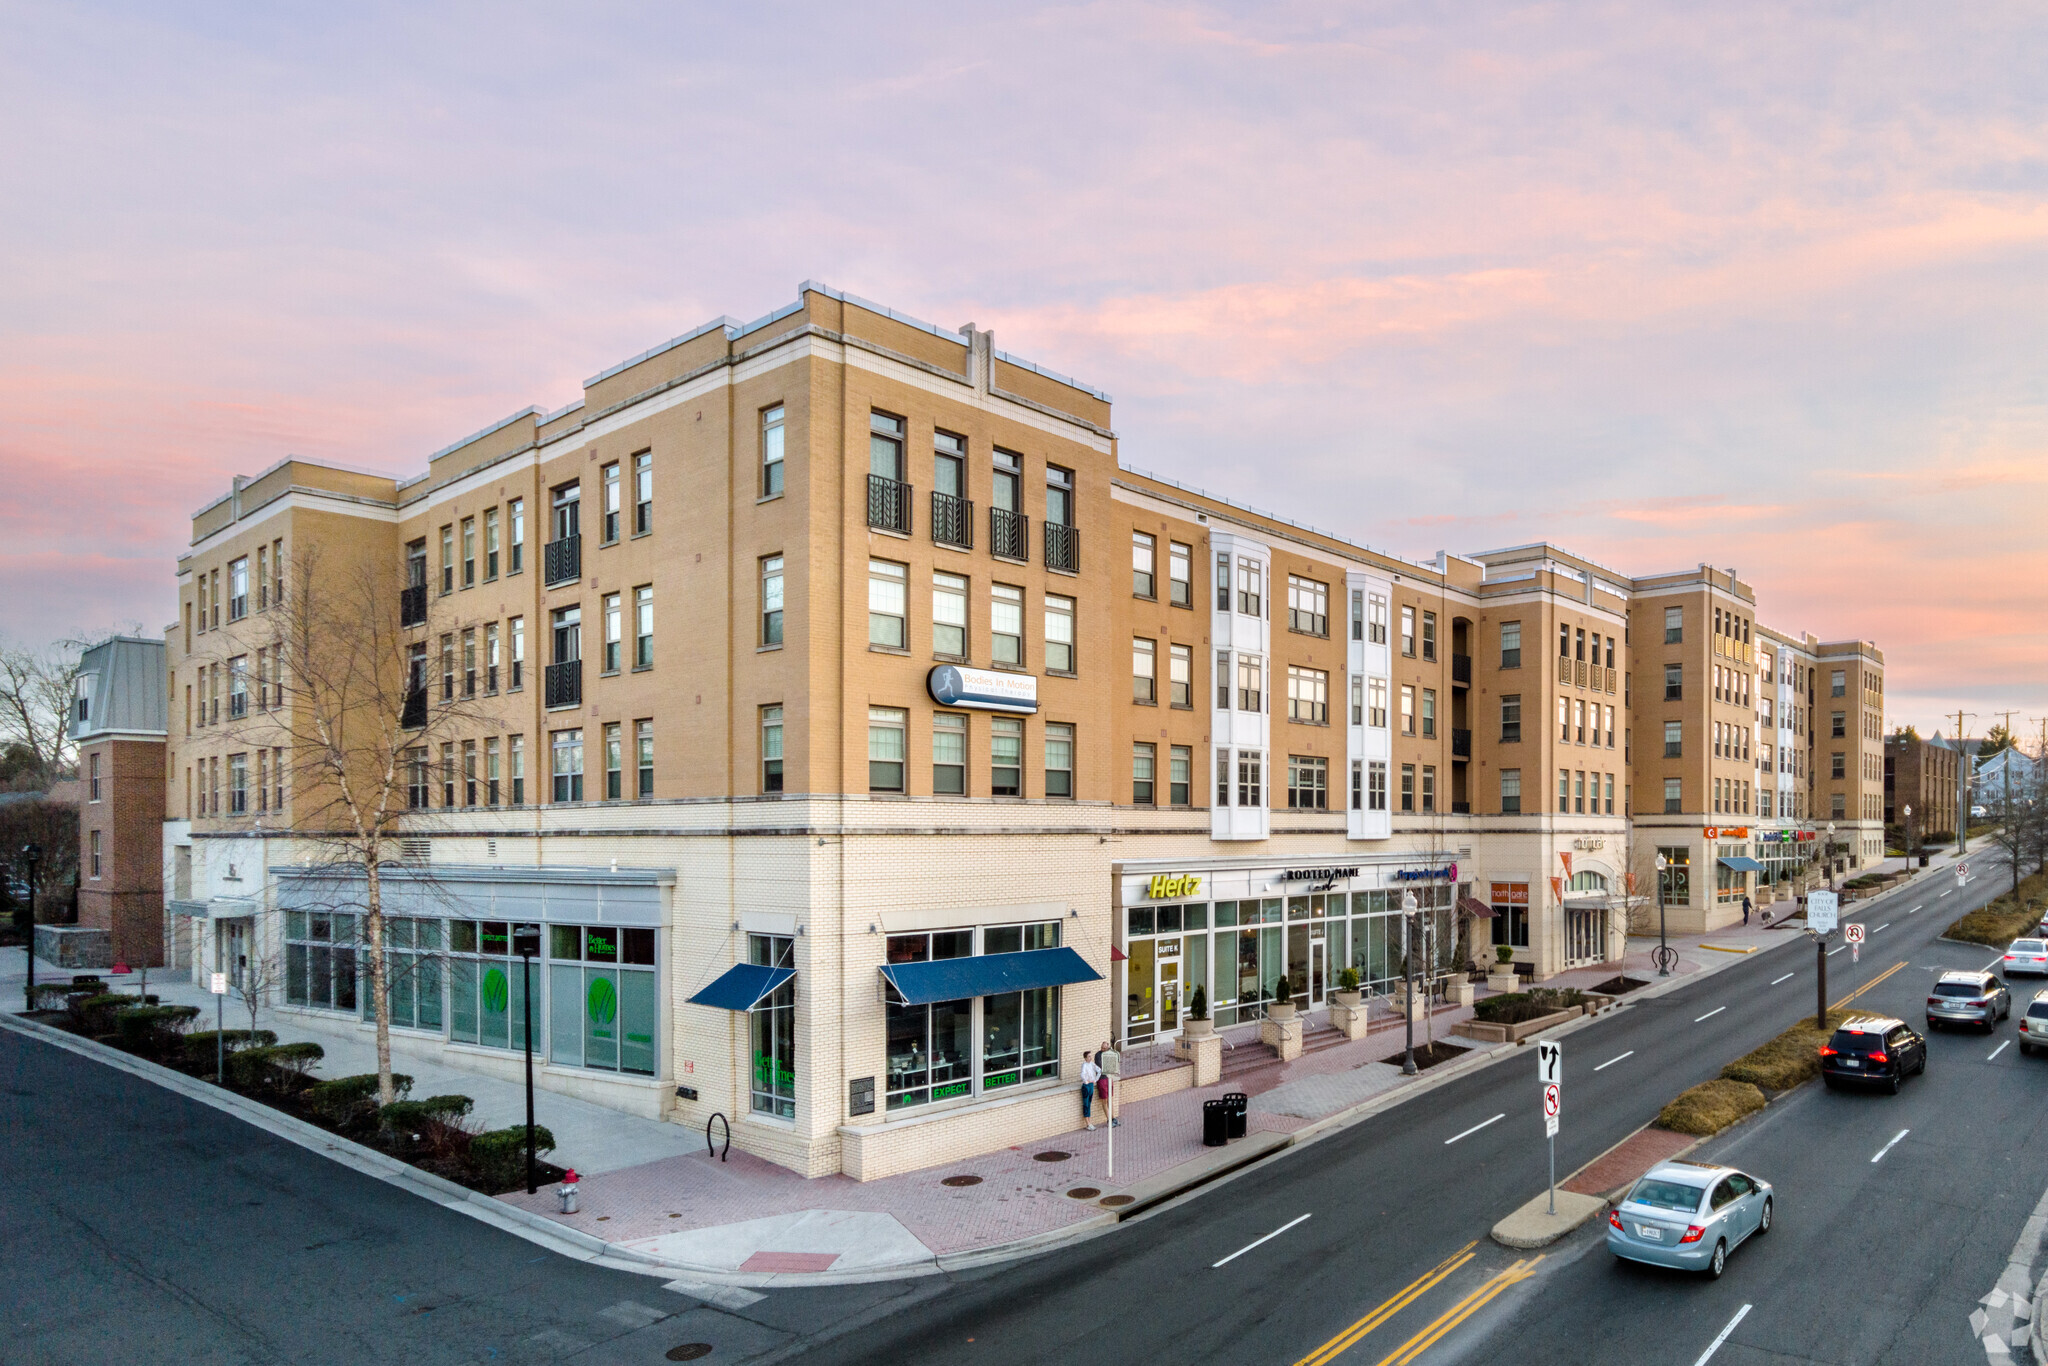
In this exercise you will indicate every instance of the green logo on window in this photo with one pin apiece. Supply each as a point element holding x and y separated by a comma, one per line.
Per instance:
<point>603,1001</point>
<point>495,991</point>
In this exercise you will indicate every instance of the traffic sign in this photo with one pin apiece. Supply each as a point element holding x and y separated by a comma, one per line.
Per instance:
<point>1550,1063</point>
<point>1853,933</point>
<point>1551,1101</point>
<point>1822,911</point>
<point>1962,873</point>
<point>220,984</point>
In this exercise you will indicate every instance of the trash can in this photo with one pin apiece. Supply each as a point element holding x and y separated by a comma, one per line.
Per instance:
<point>1239,1103</point>
<point>1923,860</point>
<point>1215,1123</point>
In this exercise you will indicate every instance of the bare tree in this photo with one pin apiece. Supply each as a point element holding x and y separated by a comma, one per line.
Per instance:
<point>36,690</point>
<point>341,689</point>
<point>52,825</point>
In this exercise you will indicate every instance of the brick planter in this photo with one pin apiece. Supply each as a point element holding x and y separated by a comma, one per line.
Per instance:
<point>1514,1033</point>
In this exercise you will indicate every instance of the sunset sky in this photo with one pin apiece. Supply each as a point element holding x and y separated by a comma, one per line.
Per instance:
<point>1765,286</point>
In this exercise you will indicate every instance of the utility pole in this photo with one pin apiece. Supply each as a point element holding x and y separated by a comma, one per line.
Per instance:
<point>1963,767</point>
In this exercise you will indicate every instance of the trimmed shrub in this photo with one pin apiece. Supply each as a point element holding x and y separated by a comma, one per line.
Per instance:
<point>1518,1007</point>
<point>94,1014</point>
<point>153,1029</point>
<point>347,1101</point>
<point>280,1067</point>
<point>2004,920</point>
<point>54,995</point>
<point>417,1116</point>
<point>1710,1107</point>
<point>499,1156</point>
<point>200,1047</point>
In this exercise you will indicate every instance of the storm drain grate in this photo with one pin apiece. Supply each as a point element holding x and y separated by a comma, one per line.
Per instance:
<point>689,1351</point>
<point>1083,1193</point>
<point>1054,1155</point>
<point>961,1181</point>
<point>1117,1201</point>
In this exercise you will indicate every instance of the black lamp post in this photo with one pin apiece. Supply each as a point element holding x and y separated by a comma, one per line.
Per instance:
<point>1663,946</point>
<point>1408,905</point>
<point>526,943</point>
<point>31,855</point>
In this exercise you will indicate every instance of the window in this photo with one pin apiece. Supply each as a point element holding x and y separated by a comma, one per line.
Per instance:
<point>885,446</point>
<point>643,626</point>
<point>1222,586</point>
<point>1838,805</point>
<point>771,600</point>
<point>603,998</point>
<point>448,558</point>
<point>1608,714</point>
<point>1407,708</point>
<point>1376,619</point>
<point>238,784</point>
<point>490,544</point>
<point>1358,614</point>
<point>469,790</point>
<point>613,627</point>
<point>886,748</point>
<point>469,661</point>
<point>263,577</point>
<point>1511,645</point>
<point>1376,785</point>
<point>1059,759</point>
<point>93,768</point>
<point>643,756</point>
<point>1251,778</point>
<point>1564,790</point>
<point>320,960</point>
<point>1251,683</point>
<point>1408,631</point>
<point>1839,729</point>
<point>1308,695</point>
<point>1674,625</point>
<point>949,478</point>
<point>771,451</point>
<point>613,776</point>
<point>1006,624</point>
<point>1407,787</point>
<point>516,753</point>
<point>1429,712</point>
<point>1839,767</point>
<point>518,653</point>
<point>216,599</point>
<point>1429,787</point>
<point>277,570</point>
<point>771,749</point>
<point>1579,791</point>
<point>1674,682</point>
<point>469,552</point>
<point>1674,739</point>
<point>447,774</point>
<point>888,596</point>
<point>1251,588</point>
<point>1308,782</point>
<point>1610,794</point>
<point>949,616</point>
<point>1674,796</point>
<point>1308,606</point>
<point>95,854</point>
<point>448,667</point>
<point>568,511</point>
<point>1376,702</point>
<point>1510,718</point>
<point>517,516</point>
<point>238,686</point>
<point>492,773</point>
<point>1180,675</point>
<point>1180,574</point>
<point>771,1030</point>
<point>614,496</point>
<point>643,493</point>
<point>1579,719</point>
<point>238,589</point>
<point>1144,671</point>
<point>1180,776</point>
<point>1511,791</point>
<point>1006,757</point>
<point>1007,486</point>
<point>1059,496</point>
<point>567,751</point>
<point>949,754</point>
<point>1357,785</point>
<point>1059,634</point>
<point>1144,760</point>
<point>1357,699</point>
<point>1144,551</point>
<point>1223,680</point>
<point>1429,635</point>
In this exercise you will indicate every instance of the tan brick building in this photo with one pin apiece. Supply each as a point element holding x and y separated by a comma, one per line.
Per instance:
<point>869,741</point>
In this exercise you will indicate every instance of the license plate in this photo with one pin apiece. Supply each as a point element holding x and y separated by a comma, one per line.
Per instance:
<point>1655,1235</point>
<point>1851,1062</point>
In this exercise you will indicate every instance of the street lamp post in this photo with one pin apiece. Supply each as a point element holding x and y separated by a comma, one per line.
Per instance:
<point>526,943</point>
<point>1831,856</point>
<point>1663,948</point>
<point>1912,851</point>
<point>31,855</point>
<point>1408,905</point>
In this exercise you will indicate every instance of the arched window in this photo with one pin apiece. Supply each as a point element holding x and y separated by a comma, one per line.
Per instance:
<point>1587,882</point>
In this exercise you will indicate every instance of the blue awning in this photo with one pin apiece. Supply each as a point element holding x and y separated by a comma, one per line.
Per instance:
<point>954,979</point>
<point>1742,865</point>
<point>742,986</point>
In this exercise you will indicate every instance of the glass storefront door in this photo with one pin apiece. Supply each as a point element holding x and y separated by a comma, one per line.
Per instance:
<point>1169,995</point>
<point>1318,959</point>
<point>1141,991</point>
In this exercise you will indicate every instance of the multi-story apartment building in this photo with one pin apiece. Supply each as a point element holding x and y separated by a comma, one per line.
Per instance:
<point>869,741</point>
<point>118,723</point>
<point>1925,776</point>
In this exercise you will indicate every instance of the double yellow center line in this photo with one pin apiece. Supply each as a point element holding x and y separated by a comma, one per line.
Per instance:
<point>1462,1310</point>
<point>1414,1290</point>
<point>1401,1299</point>
<point>1869,984</point>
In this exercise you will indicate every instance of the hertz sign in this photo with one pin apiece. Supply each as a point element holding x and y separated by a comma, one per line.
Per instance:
<point>1165,886</point>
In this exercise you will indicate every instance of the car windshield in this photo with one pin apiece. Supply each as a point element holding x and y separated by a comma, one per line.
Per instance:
<point>2026,946</point>
<point>1659,1193</point>
<point>1856,1041</point>
<point>1969,989</point>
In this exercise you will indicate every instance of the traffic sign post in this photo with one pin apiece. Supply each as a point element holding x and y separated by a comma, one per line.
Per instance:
<point>1550,1071</point>
<point>1823,909</point>
<point>219,987</point>
<point>1854,934</point>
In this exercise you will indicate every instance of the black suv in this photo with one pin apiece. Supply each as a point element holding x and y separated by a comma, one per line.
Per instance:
<point>1879,1052</point>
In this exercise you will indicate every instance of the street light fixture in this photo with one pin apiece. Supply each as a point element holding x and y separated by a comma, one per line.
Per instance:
<point>1663,948</point>
<point>31,855</point>
<point>526,943</point>
<point>1408,905</point>
<point>1912,851</point>
<point>1831,856</point>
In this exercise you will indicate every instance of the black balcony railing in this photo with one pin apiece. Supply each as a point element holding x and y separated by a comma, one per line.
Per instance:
<point>1009,534</point>
<point>414,714</point>
<point>1461,808</point>
<point>1461,744</point>
<point>563,560</point>
<point>565,683</point>
<point>1062,547</point>
<point>1461,669</point>
<point>952,521</point>
<point>888,504</point>
<point>412,605</point>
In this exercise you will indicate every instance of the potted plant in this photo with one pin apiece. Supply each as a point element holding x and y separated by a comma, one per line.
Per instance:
<point>1282,1006</point>
<point>1502,978</point>
<point>1198,1025</point>
<point>1347,987</point>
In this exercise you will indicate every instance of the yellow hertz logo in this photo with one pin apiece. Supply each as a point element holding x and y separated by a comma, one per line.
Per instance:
<point>1174,885</point>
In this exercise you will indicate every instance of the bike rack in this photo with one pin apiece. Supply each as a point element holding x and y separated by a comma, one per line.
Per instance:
<point>710,1147</point>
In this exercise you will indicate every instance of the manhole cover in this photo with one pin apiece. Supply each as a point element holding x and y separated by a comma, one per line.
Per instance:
<point>1117,1201</point>
<point>961,1181</point>
<point>1083,1193</point>
<point>1055,1155</point>
<point>689,1351</point>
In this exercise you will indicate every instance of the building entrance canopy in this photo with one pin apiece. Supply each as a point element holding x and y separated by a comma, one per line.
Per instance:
<point>988,974</point>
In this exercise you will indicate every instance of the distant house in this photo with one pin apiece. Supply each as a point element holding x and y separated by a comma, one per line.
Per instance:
<point>119,720</point>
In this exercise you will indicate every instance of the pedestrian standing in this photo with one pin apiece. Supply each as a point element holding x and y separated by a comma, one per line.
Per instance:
<point>1745,910</point>
<point>1090,1075</point>
<point>1111,1063</point>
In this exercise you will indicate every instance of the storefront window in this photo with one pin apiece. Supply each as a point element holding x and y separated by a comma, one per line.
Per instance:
<point>486,989</point>
<point>932,1049</point>
<point>412,973</point>
<point>772,1026</point>
<point>1677,875</point>
<point>601,989</point>
<point>320,960</point>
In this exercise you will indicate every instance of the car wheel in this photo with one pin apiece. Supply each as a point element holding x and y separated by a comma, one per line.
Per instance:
<point>1894,1079</point>
<point>1720,1262</point>
<point>1763,1225</point>
<point>1827,1081</point>
<point>1920,1068</point>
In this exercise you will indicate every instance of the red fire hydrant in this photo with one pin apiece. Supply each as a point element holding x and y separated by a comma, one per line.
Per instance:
<point>566,1192</point>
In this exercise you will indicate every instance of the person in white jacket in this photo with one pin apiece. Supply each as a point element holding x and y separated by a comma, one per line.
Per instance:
<point>1090,1074</point>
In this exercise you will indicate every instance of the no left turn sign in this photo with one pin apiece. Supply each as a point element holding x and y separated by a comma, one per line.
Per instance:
<point>1550,1108</point>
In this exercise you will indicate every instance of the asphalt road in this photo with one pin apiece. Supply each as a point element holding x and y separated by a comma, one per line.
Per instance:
<point>1402,1196</point>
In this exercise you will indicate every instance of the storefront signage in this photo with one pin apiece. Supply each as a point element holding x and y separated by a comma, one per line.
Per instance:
<point>1168,948</point>
<point>1317,874</point>
<point>1170,885</point>
<point>1727,832</point>
<point>1589,845</point>
<point>1783,836</point>
<point>1449,874</point>
<point>1511,893</point>
<point>982,689</point>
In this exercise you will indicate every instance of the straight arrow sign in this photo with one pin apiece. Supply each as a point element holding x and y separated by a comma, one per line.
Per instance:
<point>1550,1063</point>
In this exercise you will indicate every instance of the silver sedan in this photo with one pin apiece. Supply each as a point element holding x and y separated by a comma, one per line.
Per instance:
<point>1689,1216</point>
